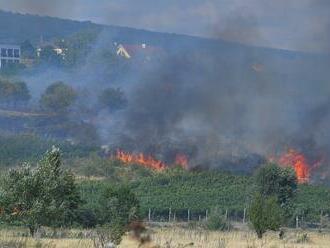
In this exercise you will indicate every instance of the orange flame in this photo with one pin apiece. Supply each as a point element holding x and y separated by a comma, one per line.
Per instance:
<point>148,161</point>
<point>144,160</point>
<point>299,163</point>
<point>182,160</point>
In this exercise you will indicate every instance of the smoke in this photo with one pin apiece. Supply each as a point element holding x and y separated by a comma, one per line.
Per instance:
<point>220,103</point>
<point>51,8</point>
<point>294,25</point>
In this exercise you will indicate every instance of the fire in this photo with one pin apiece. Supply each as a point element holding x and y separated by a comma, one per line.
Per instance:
<point>181,160</point>
<point>149,161</point>
<point>299,163</point>
<point>144,160</point>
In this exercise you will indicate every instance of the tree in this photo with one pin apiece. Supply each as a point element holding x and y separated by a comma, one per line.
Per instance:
<point>28,51</point>
<point>265,214</point>
<point>119,208</point>
<point>46,195</point>
<point>279,183</point>
<point>112,99</point>
<point>14,92</point>
<point>272,180</point>
<point>58,97</point>
<point>49,56</point>
<point>21,94</point>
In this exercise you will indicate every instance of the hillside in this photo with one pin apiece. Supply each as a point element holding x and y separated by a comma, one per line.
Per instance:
<point>16,28</point>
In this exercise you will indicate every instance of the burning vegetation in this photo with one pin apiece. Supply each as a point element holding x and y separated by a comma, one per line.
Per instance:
<point>148,161</point>
<point>300,163</point>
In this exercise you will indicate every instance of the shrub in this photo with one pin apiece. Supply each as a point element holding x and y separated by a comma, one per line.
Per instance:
<point>217,221</point>
<point>265,214</point>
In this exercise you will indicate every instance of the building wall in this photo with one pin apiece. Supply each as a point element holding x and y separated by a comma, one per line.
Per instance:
<point>9,54</point>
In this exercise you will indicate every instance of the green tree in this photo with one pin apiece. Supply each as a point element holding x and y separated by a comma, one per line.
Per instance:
<point>265,214</point>
<point>273,180</point>
<point>17,92</point>
<point>58,97</point>
<point>112,99</point>
<point>44,196</point>
<point>119,208</point>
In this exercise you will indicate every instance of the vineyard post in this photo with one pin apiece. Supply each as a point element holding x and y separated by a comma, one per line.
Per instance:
<point>174,217</point>
<point>149,215</point>
<point>226,214</point>
<point>244,215</point>
<point>188,215</point>
<point>206,213</point>
<point>297,222</point>
<point>321,219</point>
<point>169,214</point>
<point>199,218</point>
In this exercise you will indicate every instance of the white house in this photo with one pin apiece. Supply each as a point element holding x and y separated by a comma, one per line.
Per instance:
<point>9,54</point>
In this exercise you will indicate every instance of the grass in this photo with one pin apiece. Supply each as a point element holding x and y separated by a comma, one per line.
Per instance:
<point>176,237</point>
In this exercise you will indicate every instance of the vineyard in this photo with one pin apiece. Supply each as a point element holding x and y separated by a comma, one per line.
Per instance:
<point>178,191</point>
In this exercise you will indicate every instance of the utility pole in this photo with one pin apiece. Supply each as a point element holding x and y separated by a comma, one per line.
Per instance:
<point>206,214</point>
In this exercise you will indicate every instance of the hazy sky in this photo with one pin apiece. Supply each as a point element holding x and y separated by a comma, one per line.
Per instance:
<point>289,24</point>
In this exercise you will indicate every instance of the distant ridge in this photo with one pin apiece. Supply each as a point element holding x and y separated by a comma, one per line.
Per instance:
<point>16,28</point>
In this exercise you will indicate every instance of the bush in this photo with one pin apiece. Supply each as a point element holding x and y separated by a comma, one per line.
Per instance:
<point>217,221</point>
<point>265,214</point>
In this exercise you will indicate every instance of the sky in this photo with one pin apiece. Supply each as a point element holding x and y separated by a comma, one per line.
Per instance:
<point>286,24</point>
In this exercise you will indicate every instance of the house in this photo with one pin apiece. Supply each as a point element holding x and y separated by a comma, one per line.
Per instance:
<point>143,51</point>
<point>9,54</point>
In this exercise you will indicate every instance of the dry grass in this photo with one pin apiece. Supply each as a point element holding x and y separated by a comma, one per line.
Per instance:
<point>175,237</point>
<point>293,239</point>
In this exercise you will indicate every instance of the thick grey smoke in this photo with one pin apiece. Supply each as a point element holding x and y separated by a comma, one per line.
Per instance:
<point>220,102</point>
<point>215,107</point>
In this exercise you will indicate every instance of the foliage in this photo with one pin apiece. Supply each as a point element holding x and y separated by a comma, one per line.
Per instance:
<point>27,50</point>
<point>112,99</point>
<point>13,92</point>
<point>78,46</point>
<point>265,214</point>
<point>49,56</point>
<point>46,195</point>
<point>174,188</point>
<point>272,180</point>
<point>119,208</point>
<point>16,149</point>
<point>58,97</point>
<point>181,190</point>
<point>217,220</point>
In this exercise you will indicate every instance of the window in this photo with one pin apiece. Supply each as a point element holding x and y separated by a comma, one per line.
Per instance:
<point>16,53</point>
<point>3,52</point>
<point>10,52</point>
<point>3,62</point>
<point>16,61</point>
